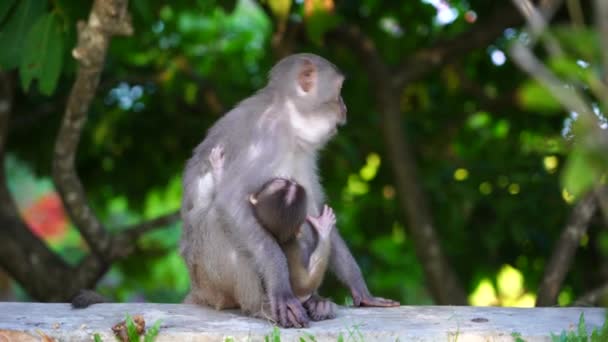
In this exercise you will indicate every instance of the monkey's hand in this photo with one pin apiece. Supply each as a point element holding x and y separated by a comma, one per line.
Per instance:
<point>216,158</point>
<point>319,309</point>
<point>324,223</point>
<point>364,298</point>
<point>288,312</point>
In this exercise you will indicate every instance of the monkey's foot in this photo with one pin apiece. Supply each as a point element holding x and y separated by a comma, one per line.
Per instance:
<point>319,309</point>
<point>325,222</point>
<point>288,312</point>
<point>216,157</point>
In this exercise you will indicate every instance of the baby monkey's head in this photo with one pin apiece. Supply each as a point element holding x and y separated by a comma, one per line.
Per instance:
<point>280,207</point>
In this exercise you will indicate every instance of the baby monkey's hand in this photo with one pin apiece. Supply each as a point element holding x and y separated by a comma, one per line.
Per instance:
<point>216,158</point>
<point>324,223</point>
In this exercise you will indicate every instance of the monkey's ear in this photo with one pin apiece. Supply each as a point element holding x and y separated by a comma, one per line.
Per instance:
<point>307,75</point>
<point>252,199</point>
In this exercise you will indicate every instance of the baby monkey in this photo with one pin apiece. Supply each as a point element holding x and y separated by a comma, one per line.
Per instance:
<point>280,206</point>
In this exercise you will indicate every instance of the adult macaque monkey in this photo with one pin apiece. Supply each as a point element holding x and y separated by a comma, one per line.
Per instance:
<point>233,261</point>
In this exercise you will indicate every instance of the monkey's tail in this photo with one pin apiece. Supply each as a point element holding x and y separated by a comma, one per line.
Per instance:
<point>86,298</point>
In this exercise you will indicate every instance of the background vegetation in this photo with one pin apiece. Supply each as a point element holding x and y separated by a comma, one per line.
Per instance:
<point>453,180</point>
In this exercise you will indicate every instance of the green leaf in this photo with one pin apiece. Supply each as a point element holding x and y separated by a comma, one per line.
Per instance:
<point>42,54</point>
<point>152,332</point>
<point>13,33</point>
<point>97,338</point>
<point>565,66</point>
<point>320,22</point>
<point>583,42</point>
<point>582,329</point>
<point>517,337</point>
<point>595,336</point>
<point>131,329</point>
<point>579,174</point>
<point>5,7</point>
<point>280,8</point>
<point>534,96</point>
<point>143,9</point>
<point>604,330</point>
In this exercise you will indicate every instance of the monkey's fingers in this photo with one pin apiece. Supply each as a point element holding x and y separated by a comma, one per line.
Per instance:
<point>297,314</point>
<point>313,221</point>
<point>378,302</point>
<point>289,313</point>
<point>319,309</point>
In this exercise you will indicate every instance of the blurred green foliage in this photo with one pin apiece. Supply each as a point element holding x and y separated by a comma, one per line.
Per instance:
<point>492,172</point>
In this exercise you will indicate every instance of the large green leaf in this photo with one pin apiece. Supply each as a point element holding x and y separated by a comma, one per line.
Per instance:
<point>13,33</point>
<point>533,96</point>
<point>582,42</point>
<point>42,55</point>
<point>579,174</point>
<point>5,7</point>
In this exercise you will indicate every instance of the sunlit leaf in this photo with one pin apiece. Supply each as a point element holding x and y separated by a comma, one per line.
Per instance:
<point>14,31</point>
<point>484,294</point>
<point>42,55</point>
<point>479,120</point>
<point>510,282</point>
<point>565,66</point>
<point>312,6</point>
<point>579,173</point>
<point>583,42</point>
<point>280,8</point>
<point>534,96</point>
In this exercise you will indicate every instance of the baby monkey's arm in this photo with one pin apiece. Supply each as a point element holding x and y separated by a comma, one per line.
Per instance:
<point>320,256</point>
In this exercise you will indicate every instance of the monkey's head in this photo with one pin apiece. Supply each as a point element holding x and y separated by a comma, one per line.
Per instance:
<point>311,88</point>
<point>280,207</point>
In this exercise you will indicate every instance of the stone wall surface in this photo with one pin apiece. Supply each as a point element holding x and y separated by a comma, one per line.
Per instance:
<point>30,321</point>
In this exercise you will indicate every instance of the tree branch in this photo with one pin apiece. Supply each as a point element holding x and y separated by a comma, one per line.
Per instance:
<point>602,198</point>
<point>24,256</point>
<point>426,60</point>
<point>135,231</point>
<point>107,18</point>
<point>593,297</point>
<point>601,13</point>
<point>442,282</point>
<point>565,249</point>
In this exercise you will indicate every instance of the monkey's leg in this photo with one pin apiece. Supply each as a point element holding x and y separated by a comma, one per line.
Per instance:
<point>248,289</point>
<point>319,308</point>
<point>203,291</point>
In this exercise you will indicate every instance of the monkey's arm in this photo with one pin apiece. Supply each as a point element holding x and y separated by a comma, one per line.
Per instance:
<point>346,269</point>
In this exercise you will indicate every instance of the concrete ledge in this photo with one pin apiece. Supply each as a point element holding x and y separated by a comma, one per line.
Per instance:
<point>192,323</point>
